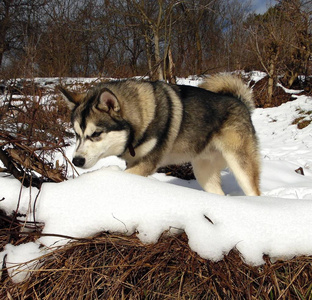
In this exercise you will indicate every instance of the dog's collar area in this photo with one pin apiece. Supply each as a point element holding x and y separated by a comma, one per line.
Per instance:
<point>131,150</point>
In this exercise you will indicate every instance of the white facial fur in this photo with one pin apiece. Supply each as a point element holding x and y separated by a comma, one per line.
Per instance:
<point>107,144</point>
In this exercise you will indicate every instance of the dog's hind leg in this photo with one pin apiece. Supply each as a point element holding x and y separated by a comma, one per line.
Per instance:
<point>244,163</point>
<point>207,172</point>
<point>246,172</point>
<point>240,151</point>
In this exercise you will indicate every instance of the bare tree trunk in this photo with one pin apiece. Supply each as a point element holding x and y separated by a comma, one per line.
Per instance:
<point>270,84</point>
<point>1,54</point>
<point>199,52</point>
<point>160,75</point>
<point>169,67</point>
<point>4,26</point>
<point>156,28</point>
<point>292,79</point>
<point>148,55</point>
<point>272,75</point>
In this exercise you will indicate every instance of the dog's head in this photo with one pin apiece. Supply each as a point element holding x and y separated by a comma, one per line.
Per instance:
<point>100,129</point>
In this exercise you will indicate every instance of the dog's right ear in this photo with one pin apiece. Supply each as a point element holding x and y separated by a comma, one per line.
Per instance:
<point>73,99</point>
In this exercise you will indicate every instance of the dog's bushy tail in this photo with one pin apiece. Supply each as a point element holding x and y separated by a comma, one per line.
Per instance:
<point>230,84</point>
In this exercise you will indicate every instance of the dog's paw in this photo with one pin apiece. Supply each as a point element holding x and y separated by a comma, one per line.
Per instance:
<point>113,168</point>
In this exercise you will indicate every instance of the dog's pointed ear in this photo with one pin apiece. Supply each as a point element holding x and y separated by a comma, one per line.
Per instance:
<point>73,99</point>
<point>108,102</point>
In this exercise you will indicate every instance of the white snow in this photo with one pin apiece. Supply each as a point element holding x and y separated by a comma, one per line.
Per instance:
<point>25,258</point>
<point>278,223</point>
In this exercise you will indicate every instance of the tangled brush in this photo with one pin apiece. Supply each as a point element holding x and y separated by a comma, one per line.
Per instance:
<point>121,267</point>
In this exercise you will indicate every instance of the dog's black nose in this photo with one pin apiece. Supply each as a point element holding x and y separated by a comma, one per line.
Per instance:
<point>79,161</point>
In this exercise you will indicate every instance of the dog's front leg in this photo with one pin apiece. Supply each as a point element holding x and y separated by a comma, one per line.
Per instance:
<point>142,168</point>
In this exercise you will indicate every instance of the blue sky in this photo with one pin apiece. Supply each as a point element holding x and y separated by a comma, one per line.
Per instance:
<point>260,6</point>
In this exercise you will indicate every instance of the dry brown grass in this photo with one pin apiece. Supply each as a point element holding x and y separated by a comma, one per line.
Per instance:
<point>303,120</point>
<point>113,266</point>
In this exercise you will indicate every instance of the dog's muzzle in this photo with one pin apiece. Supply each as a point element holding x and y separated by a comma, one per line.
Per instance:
<point>79,161</point>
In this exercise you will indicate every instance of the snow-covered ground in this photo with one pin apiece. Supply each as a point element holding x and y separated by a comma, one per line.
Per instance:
<point>278,223</point>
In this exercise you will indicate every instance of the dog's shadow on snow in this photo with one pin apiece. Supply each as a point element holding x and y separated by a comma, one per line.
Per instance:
<point>229,184</point>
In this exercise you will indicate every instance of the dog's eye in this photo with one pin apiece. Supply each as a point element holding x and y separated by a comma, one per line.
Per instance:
<point>96,134</point>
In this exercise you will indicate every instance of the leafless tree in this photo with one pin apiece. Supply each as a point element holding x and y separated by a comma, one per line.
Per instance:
<point>268,39</point>
<point>19,27</point>
<point>298,16</point>
<point>281,40</point>
<point>163,38</point>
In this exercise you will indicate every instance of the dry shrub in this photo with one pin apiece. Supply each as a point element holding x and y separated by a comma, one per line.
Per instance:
<point>34,126</point>
<point>260,89</point>
<point>301,122</point>
<point>6,225</point>
<point>184,171</point>
<point>37,117</point>
<point>304,119</point>
<point>303,83</point>
<point>118,267</point>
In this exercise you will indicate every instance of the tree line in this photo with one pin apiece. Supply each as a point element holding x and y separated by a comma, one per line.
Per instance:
<point>156,38</point>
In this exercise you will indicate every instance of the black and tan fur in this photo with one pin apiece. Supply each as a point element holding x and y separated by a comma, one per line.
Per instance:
<point>153,124</point>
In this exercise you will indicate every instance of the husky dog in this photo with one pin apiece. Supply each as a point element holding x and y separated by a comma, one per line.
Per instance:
<point>153,124</point>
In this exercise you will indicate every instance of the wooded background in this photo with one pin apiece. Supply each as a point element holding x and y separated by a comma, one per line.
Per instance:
<point>156,38</point>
